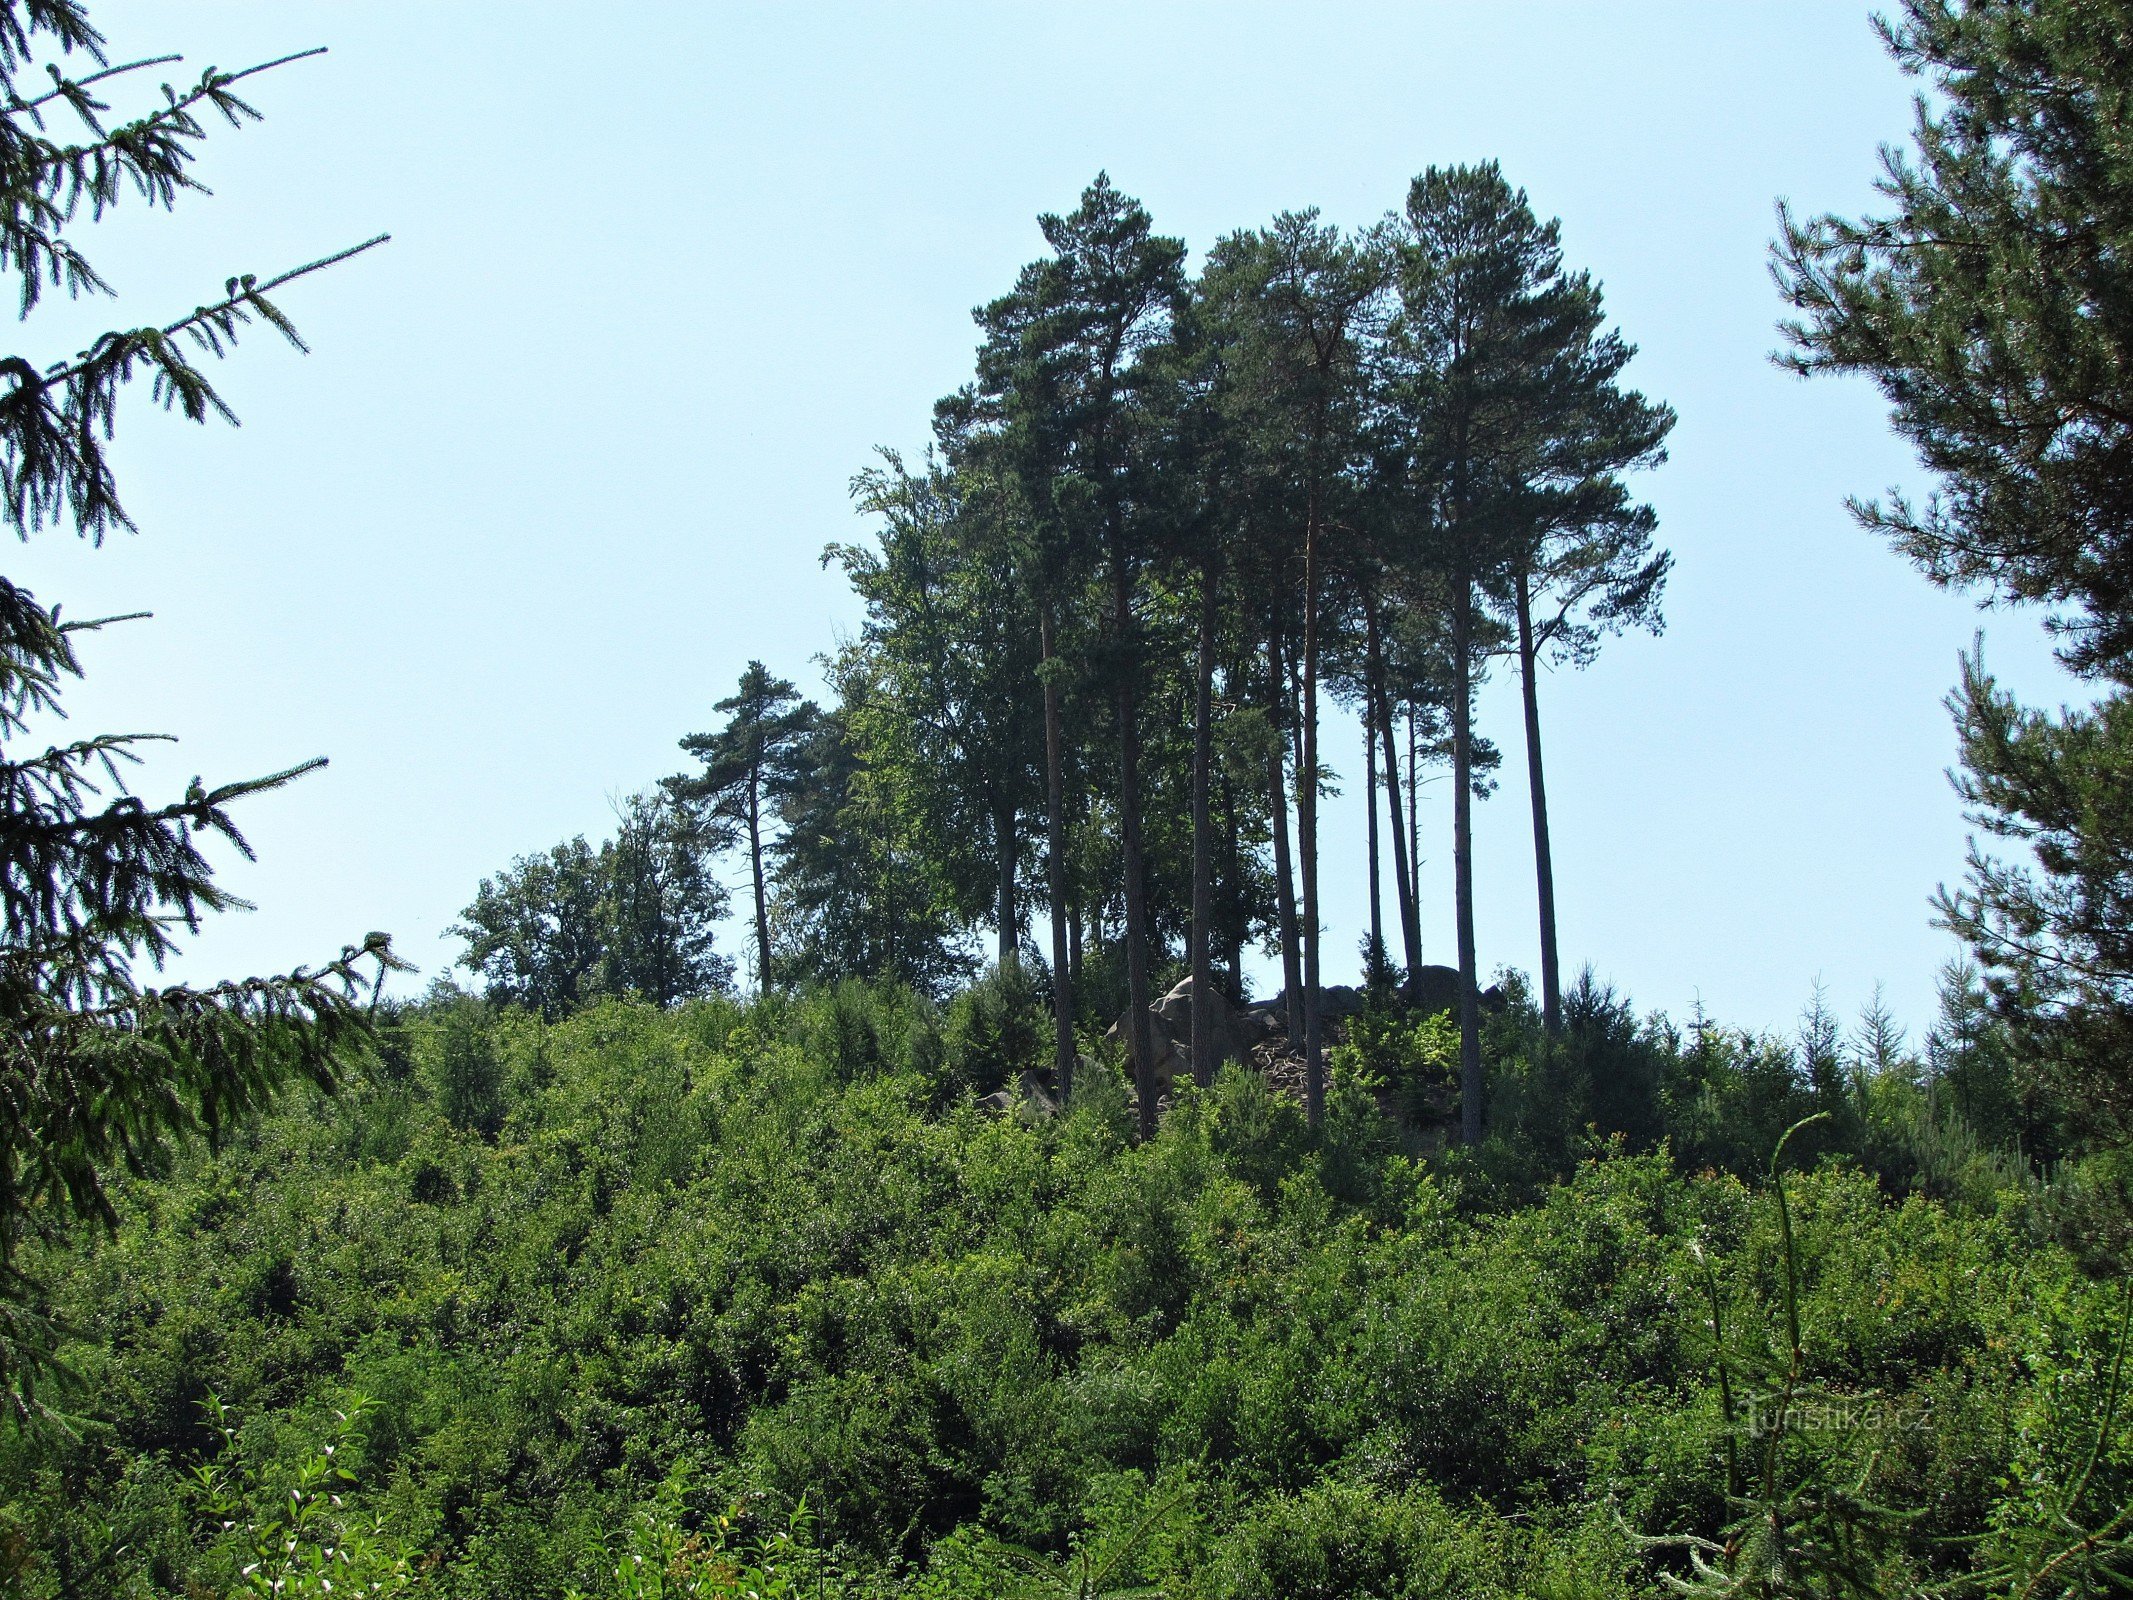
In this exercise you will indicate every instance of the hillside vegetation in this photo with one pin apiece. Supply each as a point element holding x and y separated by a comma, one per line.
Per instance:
<point>606,1280</point>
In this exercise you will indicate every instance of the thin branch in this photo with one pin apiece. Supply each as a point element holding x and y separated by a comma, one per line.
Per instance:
<point>66,84</point>
<point>236,299</point>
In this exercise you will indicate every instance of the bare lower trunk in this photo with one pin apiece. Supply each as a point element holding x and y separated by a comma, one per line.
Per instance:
<point>1139,1035</point>
<point>1006,911</point>
<point>1543,858</point>
<point>1370,811</point>
<point>1065,961</point>
<point>1233,865</point>
<point>1074,936</point>
<point>1463,864</point>
<point>1307,831</point>
<point>1414,822</point>
<point>1203,844</point>
<point>1284,873</point>
<point>1377,708</point>
<point>762,899</point>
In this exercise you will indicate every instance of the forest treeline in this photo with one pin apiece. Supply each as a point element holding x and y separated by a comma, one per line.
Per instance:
<point>1171,518</point>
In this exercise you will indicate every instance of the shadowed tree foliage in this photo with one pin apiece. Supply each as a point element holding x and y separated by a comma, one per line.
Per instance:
<point>747,764</point>
<point>863,890</point>
<point>1071,360</point>
<point>634,917</point>
<point>954,645</point>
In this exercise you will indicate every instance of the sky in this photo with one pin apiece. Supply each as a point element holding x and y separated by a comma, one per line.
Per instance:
<point>566,452</point>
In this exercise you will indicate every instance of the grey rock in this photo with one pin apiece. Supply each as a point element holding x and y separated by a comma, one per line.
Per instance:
<point>1170,1031</point>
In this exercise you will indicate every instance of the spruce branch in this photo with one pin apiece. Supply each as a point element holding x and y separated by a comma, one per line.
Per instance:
<point>44,184</point>
<point>66,88</point>
<point>55,424</point>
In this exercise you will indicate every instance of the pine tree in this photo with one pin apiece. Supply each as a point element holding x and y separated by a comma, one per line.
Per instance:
<point>1306,307</point>
<point>746,763</point>
<point>1992,303</point>
<point>1583,565</point>
<point>102,1070</point>
<point>1464,401</point>
<point>1068,361</point>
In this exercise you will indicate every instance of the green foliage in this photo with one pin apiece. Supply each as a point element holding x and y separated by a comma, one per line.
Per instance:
<point>634,917</point>
<point>1412,1058</point>
<point>778,1250</point>
<point>862,890</point>
<point>666,1558</point>
<point>100,1072</point>
<point>747,766</point>
<point>1820,1461</point>
<point>1990,303</point>
<point>275,1535</point>
<point>993,1032</point>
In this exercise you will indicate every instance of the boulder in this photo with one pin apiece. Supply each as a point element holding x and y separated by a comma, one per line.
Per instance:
<point>1436,989</point>
<point>1170,1031</point>
<point>1336,1002</point>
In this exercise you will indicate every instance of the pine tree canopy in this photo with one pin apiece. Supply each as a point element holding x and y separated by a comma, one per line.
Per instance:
<point>1992,302</point>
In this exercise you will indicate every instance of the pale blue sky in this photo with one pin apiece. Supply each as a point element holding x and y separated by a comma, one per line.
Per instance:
<point>568,450</point>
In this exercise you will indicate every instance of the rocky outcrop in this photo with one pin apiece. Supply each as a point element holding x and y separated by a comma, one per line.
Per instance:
<point>1258,1033</point>
<point>1170,1027</point>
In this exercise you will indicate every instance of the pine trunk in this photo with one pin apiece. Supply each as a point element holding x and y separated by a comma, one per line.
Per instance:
<point>1139,1036</point>
<point>1414,823</point>
<point>1203,844</point>
<point>1377,706</point>
<point>1463,863</point>
<point>1370,811</point>
<point>755,867</point>
<point>1284,871</point>
<point>1307,829</point>
<point>1066,962</point>
<point>1233,872</point>
<point>1543,858</point>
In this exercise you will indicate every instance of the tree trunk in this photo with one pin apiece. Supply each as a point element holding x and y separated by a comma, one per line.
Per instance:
<point>1414,823</point>
<point>1307,827</point>
<point>1203,844</point>
<point>1074,934</point>
<point>755,867</point>
<point>1370,803</point>
<point>1006,912</point>
<point>1139,1035</point>
<point>1284,876</point>
<point>1463,862</point>
<point>1543,858</point>
<point>1066,962</point>
<point>1235,922</point>
<point>1377,707</point>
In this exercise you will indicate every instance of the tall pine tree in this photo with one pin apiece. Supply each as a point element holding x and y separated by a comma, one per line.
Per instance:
<point>1991,299</point>
<point>747,763</point>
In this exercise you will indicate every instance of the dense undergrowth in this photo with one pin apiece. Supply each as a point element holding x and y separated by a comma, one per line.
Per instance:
<point>735,1299</point>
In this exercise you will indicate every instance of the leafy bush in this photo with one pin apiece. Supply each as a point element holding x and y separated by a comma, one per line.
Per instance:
<point>771,1242</point>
